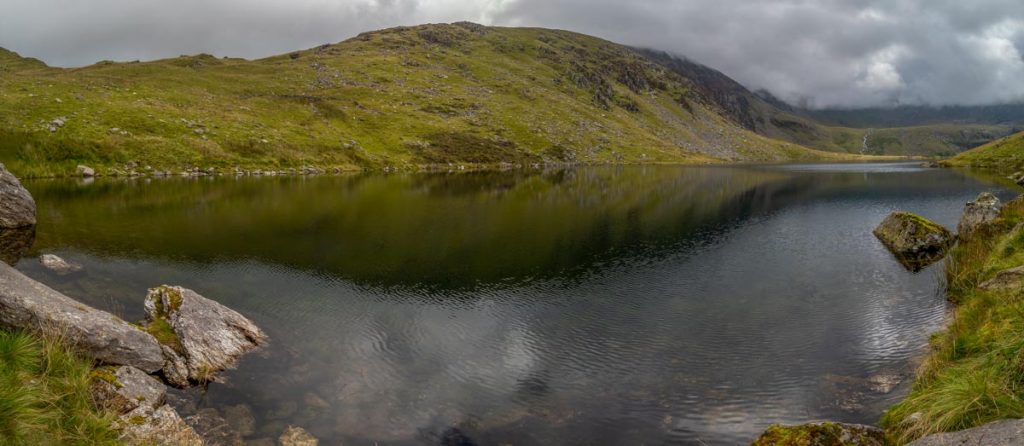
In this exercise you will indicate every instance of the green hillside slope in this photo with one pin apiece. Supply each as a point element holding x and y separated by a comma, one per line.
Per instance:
<point>442,95</point>
<point>1005,155</point>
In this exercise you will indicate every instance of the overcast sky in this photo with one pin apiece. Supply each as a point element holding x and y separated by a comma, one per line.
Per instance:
<point>829,52</point>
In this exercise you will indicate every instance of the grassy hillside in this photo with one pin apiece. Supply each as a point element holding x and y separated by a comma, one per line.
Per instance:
<point>770,117</point>
<point>1005,155</point>
<point>404,97</point>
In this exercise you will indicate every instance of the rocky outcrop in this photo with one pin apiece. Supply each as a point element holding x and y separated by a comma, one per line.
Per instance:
<point>915,241</point>
<point>139,402</point>
<point>1008,279</point>
<point>979,213</point>
<point>821,434</point>
<point>17,208</point>
<point>85,171</point>
<point>58,265</point>
<point>27,304</point>
<point>297,436</point>
<point>999,433</point>
<point>206,337</point>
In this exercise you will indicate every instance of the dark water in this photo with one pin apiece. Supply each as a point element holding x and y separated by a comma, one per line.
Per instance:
<point>640,305</point>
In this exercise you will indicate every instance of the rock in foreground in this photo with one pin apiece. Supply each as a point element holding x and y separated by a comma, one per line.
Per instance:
<point>979,213</point>
<point>999,433</point>
<point>205,337</point>
<point>821,434</point>
<point>27,304</point>
<point>916,241</point>
<point>17,208</point>
<point>139,401</point>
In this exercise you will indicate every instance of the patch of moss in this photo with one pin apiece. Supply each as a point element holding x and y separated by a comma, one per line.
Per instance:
<point>164,334</point>
<point>137,420</point>
<point>818,434</point>
<point>106,374</point>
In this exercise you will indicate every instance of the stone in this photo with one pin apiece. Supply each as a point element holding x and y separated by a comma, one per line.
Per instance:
<point>27,304</point>
<point>85,171</point>
<point>17,208</point>
<point>297,436</point>
<point>241,419</point>
<point>58,265</point>
<point>1018,177</point>
<point>160,426</point>
<point>14,243</point>
<point>124,389</point>
<point>213,428</point>
<point>998,433</point>
<point>915,241</point>
<point>175,370</point>
<point>1008,279</point>
<point>821,434</point>
<point>211,336</point>
<point>978,213</point>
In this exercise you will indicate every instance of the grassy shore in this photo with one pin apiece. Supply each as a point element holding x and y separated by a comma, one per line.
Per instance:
<point>1004,155</point>
<point>45,397</point>
<point>975,371</point>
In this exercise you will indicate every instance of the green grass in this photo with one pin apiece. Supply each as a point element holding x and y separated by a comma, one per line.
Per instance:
<point>44,395</point>
<point>1004,155</point>
<point>403,98</point>
<point>975,372</point>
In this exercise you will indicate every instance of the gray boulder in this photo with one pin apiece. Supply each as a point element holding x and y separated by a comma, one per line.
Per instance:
<point>978,213</point>
<point>999,433</point>
<point>85,171</point>
<point>914,240</point>
<point>58,265</point>
<point>156,426</point>
<point>17,208</point>
<point>124,389</point>
<point>207,336</point>
<point>1007,279</point>
<point>27,304</point>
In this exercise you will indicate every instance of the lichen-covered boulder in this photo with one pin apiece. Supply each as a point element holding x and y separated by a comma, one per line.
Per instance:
<point>17,208</point>
<point>124,389</point>
<point>915,241</point>
<point>1008,279</point>
<point>204,335</point>
<point>156,426</point>
<point>27,304</point>
<point>978,213</point>
<point>821,434</point>
<point>297,436</point>
<point>999,433</point>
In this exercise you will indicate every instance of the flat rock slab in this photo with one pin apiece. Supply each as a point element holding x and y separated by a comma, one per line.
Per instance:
<point>27,304</point>
<point>999,433</point>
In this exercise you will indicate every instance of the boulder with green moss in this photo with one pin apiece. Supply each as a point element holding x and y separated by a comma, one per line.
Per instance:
<point>204,336</point>
<point>821,434</point>
<point>915,241</point>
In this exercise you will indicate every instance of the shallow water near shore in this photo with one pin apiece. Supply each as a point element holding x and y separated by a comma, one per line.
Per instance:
<point>603,305</point>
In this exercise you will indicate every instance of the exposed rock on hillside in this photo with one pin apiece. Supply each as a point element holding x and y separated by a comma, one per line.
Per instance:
<point>17,208</point>
<point>916,241</point>
<point>204,336</point>
<point>27,304</point>
<point>1008,279</point>
<point>978,213</point>
<point>821,434</point>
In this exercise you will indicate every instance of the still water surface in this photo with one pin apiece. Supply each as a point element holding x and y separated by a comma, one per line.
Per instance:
<point>629,305</point>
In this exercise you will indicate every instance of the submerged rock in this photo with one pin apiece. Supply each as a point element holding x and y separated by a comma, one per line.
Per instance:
<point>205,335</point>
<point>214,429</point>
<point>978,213</point>
<point>297,436</point>
<point>916,241</point>
<point>999,433</point>
<point>14,243</point>
<point>58,265</point>
<point>821,434</point>
<point>27,304</point>
<point>17,208</point>
<point>1007,279</point>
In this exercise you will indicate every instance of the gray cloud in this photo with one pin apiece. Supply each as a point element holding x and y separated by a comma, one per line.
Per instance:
<point>827,52</point>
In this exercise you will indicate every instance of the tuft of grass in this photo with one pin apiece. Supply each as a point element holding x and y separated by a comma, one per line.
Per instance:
<point>975,372</point>
<point>44,394</point>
